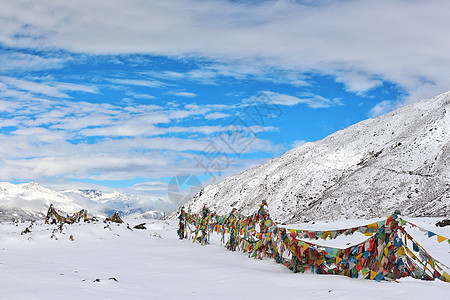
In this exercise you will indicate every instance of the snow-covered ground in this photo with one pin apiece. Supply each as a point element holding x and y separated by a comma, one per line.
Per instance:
<point>154,264</point>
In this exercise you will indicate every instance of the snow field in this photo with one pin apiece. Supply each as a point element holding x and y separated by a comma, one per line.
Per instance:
<point>155,264</point>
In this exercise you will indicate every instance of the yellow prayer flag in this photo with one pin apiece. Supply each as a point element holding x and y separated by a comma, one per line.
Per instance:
<point>445,277</point>
<point>410,252</point>
<point>431,262</point>
<point>320,261</point>
<point>401,251</point>
<point>373,274</point>
<point>373,225</point>
<point>440,238</point>
<point>338,260</point>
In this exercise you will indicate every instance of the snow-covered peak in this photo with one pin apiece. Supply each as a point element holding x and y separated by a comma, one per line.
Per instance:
<point>96,195</point>
<point>31,201</point>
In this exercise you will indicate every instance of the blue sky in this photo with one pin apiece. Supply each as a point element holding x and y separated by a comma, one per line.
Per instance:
<point>128,94</point>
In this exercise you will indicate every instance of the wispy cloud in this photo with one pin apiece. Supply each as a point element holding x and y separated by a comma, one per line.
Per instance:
<point>34,87</point>
<point>204,76</point>
<point>216,115</point>
<point>101,141</point>
<point>212,73</point>
<point>311,100</point>
<point>357,82</point>
<point>51,89</point>
<point>140,96</point>
<point>382,108</point>
<point>183,94</point>
<point>137,82</point>
<point>24,62</point>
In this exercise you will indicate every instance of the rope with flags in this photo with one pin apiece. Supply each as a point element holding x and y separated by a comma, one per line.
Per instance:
<point>115,218</point>
<point>55,215</point>
<point>388,253</point>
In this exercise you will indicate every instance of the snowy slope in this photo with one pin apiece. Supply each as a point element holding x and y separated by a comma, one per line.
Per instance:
<point>400,160</point>
<point>154,264</point>
<point>31,201</point>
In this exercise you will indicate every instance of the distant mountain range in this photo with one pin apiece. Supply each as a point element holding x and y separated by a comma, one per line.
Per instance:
<point>398,161</point>
<point>31,201</point>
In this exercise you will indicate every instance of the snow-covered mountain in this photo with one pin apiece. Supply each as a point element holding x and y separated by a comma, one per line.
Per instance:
<point>400,160</point>
<point>31,201</point>
<point>108,203</point>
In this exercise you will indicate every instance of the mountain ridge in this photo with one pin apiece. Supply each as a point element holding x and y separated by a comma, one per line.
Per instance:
<point>28,201</point>
<point>397,161</point>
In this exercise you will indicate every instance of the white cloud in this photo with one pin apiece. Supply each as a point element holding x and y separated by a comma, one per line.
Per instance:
<point>312,100</point>
<point>151,186</point>
<point>14,61</point>
<point>183,94</point>
<point>357,81</point>
<point>138,82</point>
<point>141,96</point>
<point>41,134</point>
<point>51,89</point>
<point>382,108</point>
<point>75,87</point>
<point>8,106</point>
<point>111,166</point>
<point>216,115</point>
<point>212,73</point>
<point>34,87</point>
<point>203,76</point>
<point>360,42</point>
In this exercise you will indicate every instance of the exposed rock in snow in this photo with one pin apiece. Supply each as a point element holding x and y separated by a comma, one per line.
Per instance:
<point>398,161</point>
